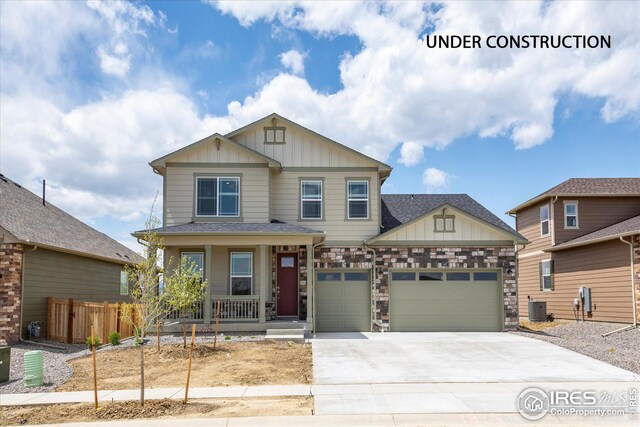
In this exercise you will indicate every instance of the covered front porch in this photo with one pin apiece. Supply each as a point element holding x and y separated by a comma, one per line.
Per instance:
<point>254,281</point>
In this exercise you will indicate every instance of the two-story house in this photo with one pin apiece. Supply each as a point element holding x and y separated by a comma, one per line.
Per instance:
<point>584,232</point>
<point>288,224</point>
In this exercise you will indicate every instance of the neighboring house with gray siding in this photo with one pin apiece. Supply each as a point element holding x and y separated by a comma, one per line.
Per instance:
<point>288,225</point>
<point>46,252</point>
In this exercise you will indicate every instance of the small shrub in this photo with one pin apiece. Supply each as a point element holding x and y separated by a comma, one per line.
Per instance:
<point>227,338</point>
<point>114,338</point>
<point>96,342</point>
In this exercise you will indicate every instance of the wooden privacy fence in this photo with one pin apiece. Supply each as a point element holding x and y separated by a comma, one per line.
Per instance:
<point>70,321</point>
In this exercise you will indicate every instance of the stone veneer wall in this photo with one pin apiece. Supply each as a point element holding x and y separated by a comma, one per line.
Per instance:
<point>636,267</point>
<point>398,257</point>
<point>11,256</point>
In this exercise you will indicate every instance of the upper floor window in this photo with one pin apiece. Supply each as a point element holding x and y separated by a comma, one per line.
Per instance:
<point>218,196</point>
<point>124,283</point>
<point>444,223</point>
<point>241,273</point>
<point>570,214</point>
<point>310,199</point>
<point>544,220</point>
<point>274,135</point>
<point>358,199</point>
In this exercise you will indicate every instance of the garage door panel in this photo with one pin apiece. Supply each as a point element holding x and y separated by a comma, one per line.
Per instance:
<point>445,306</point>
<point>344,305</point>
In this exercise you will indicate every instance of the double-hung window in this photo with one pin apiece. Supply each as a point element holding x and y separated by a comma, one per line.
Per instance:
<point>546,275</point>
<point>241,273</point>
<point>124,283</point>
<point>196,259</point>
<point>310,199</point>
<point>570,215</point>
<point>218,196</point>
<point>358,199</point>
<point>544,220</point>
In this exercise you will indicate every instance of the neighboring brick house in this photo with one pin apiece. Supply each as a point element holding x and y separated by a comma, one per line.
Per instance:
<point>288,225</point>
<point>585,232</point>
<point>46,252</point>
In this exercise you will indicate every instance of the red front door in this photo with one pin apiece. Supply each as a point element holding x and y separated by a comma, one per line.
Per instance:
<point>287,285</point>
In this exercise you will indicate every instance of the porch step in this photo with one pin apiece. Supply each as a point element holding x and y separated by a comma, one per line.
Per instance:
<point>295,335</point>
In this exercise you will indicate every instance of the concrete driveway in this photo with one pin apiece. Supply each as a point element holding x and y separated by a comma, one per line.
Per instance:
<point>374,358</point>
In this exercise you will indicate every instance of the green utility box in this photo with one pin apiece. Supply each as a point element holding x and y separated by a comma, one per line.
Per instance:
<point>33,368</point>
<point>5,363</point>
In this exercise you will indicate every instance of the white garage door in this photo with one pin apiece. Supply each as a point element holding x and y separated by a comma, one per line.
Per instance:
<point>343,300</point>
<point>445,300</point>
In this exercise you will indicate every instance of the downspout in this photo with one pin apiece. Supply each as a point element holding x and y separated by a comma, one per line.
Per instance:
<point>312,276</point>
<point>633,292</point>
<point>517,267</point>
<point>373,285</point>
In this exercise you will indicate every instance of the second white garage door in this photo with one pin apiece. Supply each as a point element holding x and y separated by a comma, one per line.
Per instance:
<point>436,300</point>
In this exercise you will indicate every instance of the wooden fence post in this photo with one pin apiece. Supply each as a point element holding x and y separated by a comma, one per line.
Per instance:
<point>70,323</point>
<point>105,326</point>
<point>49,316</point>
<point>118,318</point>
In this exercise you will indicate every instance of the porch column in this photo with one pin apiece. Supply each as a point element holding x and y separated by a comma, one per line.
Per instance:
<point>310,283</point>
<point>208,270</point>
<point>263,280</point>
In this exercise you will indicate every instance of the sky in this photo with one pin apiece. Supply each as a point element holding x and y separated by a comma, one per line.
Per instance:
<point>90,92</point>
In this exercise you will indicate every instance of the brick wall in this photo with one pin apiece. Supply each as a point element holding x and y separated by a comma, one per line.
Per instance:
<point>388,257</point>
<point>11,256</point>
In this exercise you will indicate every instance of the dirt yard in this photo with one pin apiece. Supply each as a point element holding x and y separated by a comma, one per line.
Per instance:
<point>82,412</point>
<point>233,363</point>
<point>539,326</point>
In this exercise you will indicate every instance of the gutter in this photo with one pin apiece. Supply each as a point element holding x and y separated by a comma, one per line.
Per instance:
<point>568,245</point>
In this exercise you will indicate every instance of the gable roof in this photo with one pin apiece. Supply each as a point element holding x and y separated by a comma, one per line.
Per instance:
<point>401,209</point>
<point>596,187</point>
<point>381,165</point>
<point>161,161</point>
<point>628,227</point>
<point>29,221</point>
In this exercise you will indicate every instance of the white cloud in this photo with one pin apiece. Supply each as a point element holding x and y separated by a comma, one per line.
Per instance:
<point>435,179</point>
<point>397,91</point>
<point>411,153</point>
<point>293,60</point>
<point>114,65</point>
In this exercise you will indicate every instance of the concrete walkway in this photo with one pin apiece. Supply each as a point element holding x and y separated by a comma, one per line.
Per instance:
<point>386,420</point>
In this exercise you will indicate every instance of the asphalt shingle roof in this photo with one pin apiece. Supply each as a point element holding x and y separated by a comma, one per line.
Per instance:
<point>628,226</point>
<point>590,186</point>
<point>24,216</point>
<point>398,209</point>
<point>233,227</point>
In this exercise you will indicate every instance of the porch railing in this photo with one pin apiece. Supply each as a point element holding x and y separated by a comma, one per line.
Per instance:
<point>196,313</point>
<point>237,308</point>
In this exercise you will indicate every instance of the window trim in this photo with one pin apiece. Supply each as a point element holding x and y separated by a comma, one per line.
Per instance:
<point>199,177</point>
<point>548,220</point>
<point>303,180</point>
<point>123,273</point>
<point>550,275</point>
<point>192,252</point>
<point>274,129</point>
<point>567,203</point>
<point>231,275</point>
<point>366,181</point>
<point>444,223</point>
